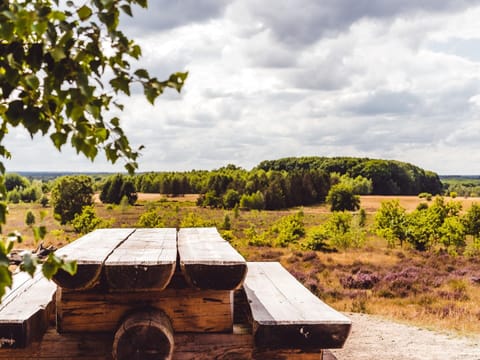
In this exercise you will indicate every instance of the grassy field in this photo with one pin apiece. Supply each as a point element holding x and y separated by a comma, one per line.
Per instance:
<point>429,289</point>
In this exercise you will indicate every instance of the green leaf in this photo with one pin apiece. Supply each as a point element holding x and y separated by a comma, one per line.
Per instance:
<point>15,112</point>
<point>5,279</point>
<point>59,139</point>
<point>39,233</point>
<point>32,81</point>
<point>142,73</point>
<point>121,83</point>
<point>29,263</point>
<point>127,9</point>
<point>7,29</point>
<point>101,134</point>
<point>58,54</point>
<point>35,56</point>
<point>84,12</point>
<point>53,263</point>
<point>70,267</point>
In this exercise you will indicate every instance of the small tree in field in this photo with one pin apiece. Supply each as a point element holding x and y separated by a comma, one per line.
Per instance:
<point>29,218</point>
<point>391,222</point>
<point>69,195</point>
<point>341,197</point>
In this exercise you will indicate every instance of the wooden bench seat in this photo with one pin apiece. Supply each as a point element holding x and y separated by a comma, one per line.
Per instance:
<point>26,309</point>
<point>208,261</point>
<point>287,315</point>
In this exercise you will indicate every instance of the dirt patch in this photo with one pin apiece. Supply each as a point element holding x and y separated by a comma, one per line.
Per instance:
<point>376,338</point>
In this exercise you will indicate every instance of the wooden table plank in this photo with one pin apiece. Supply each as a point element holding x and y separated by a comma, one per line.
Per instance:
<point>146,260</point>
<point>190,310</point>
<point>90,251</point>
<point>208,261</point>
<point>287,315</point>
<point>25,311</point>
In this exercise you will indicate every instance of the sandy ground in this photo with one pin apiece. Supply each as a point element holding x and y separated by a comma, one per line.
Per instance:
<point>375,338</point>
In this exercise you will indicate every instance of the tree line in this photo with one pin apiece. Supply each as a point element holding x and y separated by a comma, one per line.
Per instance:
<point>288,182</point>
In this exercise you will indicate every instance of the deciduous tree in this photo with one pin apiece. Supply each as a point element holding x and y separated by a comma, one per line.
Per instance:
<point>62,67</point>
<point>69,195</point>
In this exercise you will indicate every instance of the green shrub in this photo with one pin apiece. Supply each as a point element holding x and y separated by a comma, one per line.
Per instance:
<point>288,229</point>
<point>29,218</point>
<point>341,197</point>
<point>88,221</point>
<point>192,219</point>
<point>425,195</point>
<point>255,238</point>
<point>150,219</point>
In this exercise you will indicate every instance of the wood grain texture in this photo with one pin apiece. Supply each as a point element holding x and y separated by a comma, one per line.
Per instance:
<point>189,346</point>
<point>287,315</point>
<point>145,261</point>
<point>26,310</point>
<point>144,334</point>
<point>208,261</point>
<point>190,310</point>
<point>90,252</point>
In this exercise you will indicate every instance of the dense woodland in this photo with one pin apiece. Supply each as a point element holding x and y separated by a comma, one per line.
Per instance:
<point>291,182</point>
<point>275,184</point>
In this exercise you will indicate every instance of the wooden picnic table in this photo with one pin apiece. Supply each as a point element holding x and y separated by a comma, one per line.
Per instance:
<point>167,294</point>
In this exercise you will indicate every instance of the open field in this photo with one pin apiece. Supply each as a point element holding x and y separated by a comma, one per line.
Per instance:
<point>428,289</point>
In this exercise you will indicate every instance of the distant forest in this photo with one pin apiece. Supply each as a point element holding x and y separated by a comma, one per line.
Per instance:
<point>272,184</point>
<point>276,184</point>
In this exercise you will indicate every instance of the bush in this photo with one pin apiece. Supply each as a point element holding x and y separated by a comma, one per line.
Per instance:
<point>192,219</point>
<point>341,231</point>
<point>44,201</point>
<point>341,198</point>
<point>29,218</point>
<point>288,229</point>
<point>88,221</point>
<point>150,219</point>
<point>425,195</point>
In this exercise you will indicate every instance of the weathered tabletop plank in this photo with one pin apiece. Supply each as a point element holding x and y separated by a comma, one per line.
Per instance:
<point>208,261</point>
<point>287,315</point>
<point>90,252</point>
<point>25,310</point>
<point>145,261</point>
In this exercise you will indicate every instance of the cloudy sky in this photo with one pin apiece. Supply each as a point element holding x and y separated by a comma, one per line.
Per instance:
<point>392,79</point>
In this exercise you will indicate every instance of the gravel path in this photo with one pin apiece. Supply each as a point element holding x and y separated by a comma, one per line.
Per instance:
<point>375,338</point>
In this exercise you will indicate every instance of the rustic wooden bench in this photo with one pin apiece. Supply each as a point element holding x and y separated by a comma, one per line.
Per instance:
<point>26,310</point>
<point>287,315</point>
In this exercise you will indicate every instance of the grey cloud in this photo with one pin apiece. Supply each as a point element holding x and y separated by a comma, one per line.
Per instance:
<point>308,20</point>
<point>320,78</point>
<point>167,14</point>
<point>386,102</point>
